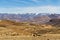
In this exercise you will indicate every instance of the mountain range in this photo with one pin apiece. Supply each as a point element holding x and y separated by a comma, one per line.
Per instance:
<point>34,18</point>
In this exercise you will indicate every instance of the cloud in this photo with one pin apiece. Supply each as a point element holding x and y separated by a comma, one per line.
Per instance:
<point>40,9</point>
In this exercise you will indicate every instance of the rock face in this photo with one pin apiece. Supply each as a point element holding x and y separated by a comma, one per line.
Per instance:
<point>54,22</point>
<point>42,19</point>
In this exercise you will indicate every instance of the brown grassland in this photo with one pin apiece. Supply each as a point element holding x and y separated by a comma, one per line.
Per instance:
<point>11,30</point>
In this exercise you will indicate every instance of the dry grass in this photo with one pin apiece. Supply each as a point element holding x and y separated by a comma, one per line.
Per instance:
<point>11,30</point>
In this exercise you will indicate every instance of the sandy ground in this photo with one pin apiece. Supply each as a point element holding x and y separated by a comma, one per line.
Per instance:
<point>43,37</point>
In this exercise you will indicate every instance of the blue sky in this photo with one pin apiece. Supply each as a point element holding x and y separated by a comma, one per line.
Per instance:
<point>29,6</point>
<point>28,3</point>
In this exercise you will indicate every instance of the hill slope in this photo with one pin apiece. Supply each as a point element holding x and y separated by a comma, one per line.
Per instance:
<point>12,28</point>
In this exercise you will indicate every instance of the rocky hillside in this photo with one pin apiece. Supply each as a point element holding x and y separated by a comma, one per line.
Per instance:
<point>32,17</point>
<point>12,28</point>
<point>54,22</point>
